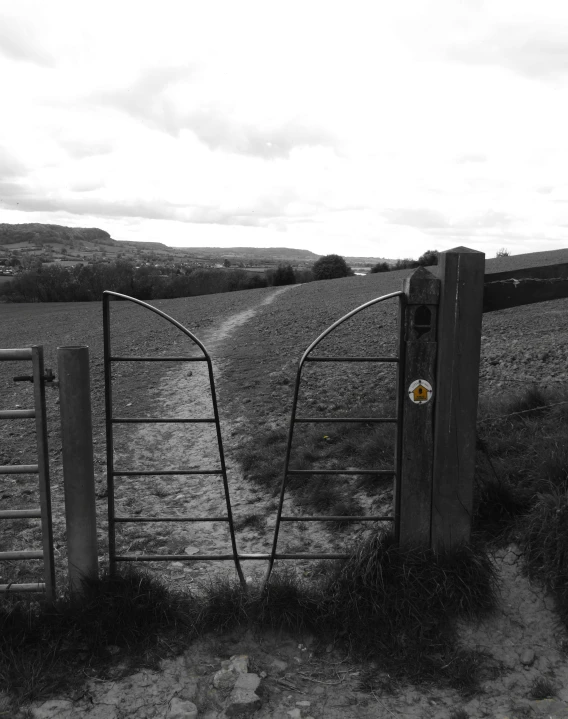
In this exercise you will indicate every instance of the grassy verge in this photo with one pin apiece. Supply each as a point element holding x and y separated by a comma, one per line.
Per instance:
<point>522,484</point>
<point>387,604</point>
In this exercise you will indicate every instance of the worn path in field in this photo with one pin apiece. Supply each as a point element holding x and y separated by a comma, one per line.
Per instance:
<point>185,392</point>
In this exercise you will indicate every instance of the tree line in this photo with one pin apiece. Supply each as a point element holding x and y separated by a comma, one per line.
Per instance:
<point>86,283</point>
<point>429,258</point>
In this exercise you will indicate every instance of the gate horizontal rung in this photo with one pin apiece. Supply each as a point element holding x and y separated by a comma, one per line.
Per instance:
<point>253,557</point>
<point>311,556</point>
<point>158,359</point>
<point>17,414</point>
<point>170,557</point>
<point>388,472</point>
<point>19,469</point>
<point>339,518</point>
<point>37,587</point>
<point>16,354</point>
<point>25,554</point>
<point>20,514</point>
<point>164,472</point>
<point>345,419</point>
<point>351,359</point>
<point>158,420</point>
<point>171,519</point>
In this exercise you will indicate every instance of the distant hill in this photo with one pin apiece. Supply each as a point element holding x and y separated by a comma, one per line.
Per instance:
<point>39,234</point>
<point>36,236</point>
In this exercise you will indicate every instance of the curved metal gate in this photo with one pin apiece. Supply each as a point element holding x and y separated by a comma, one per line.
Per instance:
<point>294,419</point>
<point>112,473</point>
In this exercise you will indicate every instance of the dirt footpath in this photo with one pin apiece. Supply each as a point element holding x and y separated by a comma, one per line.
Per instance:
<point>283,676</point>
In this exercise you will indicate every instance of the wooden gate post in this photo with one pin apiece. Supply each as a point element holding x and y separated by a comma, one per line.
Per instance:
<point>414,502</point>
<point>461,272</point>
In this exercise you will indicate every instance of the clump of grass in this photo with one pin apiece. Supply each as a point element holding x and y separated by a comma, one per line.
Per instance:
<point>545,542</point>
<point>542,688</point>
<point>532,402</point>
<point>397,602</point>
<point>519,456</point>
<point>497,505</point>
<point>459,714</point>
<point>41,646</point>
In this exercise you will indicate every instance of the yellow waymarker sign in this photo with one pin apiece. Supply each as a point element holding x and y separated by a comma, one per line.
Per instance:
<point>420,391</point>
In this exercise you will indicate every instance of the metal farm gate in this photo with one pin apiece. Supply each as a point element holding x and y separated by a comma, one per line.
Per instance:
<point>113,473</point>
<point>395,472</point>
<point>273,555</point>
<point>38,377</point>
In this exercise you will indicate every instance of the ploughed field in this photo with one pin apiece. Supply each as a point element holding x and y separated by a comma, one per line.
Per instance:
<point>256,339</point>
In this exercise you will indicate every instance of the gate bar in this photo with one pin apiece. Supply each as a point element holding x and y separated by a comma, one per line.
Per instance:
<point>347,419</point>
<point>342,471</point>
<point>23,554</point>
<point>17,414</point>
<point>351,359</point>
<point>158,359</point>
<point>8,355</point>
<point>164,472</point>
<point>338,518</point>
<point>173,518</point>
<point>158,420</point>
<point>37,587</point>
<point>19,469</point>
<point>20,514</point>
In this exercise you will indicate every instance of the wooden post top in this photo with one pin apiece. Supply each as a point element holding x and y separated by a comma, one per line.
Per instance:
<point>461,251</point>
<point>421,288</point>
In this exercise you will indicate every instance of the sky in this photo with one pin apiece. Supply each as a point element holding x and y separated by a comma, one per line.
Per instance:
<point>379,129</point>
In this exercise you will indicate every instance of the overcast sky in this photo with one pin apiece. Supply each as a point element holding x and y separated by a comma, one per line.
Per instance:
<point>376,128</point>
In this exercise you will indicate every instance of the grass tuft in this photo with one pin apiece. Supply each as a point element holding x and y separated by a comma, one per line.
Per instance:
<point>542,688</point>
<point>397,602</point>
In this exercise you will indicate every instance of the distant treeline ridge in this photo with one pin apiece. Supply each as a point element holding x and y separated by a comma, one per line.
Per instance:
<point>86,283</point>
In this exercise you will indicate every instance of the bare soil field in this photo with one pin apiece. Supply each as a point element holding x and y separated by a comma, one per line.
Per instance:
<point>255,339</point>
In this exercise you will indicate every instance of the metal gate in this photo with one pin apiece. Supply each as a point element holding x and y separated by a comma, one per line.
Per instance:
<point>294,419</point>
<point>38,377</point>
<point>112,473</point>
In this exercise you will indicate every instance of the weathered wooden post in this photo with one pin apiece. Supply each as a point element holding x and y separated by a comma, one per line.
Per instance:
<point>78,466</point>
<point>415,499</point>
<point>461,272</point>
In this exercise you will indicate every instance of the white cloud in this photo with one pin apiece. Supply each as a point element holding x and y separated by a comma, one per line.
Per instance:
<point>368,128</point>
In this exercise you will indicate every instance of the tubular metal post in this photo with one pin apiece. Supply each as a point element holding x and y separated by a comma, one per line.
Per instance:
<point>43,470</point>
<point>78,466</point>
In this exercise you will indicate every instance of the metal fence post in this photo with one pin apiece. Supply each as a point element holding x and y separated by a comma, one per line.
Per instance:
<point>78,466</point>
<point>461,272</point>
<point>419,389</point>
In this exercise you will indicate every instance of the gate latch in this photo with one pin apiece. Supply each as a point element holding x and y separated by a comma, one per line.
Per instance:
<point>48,377</point>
